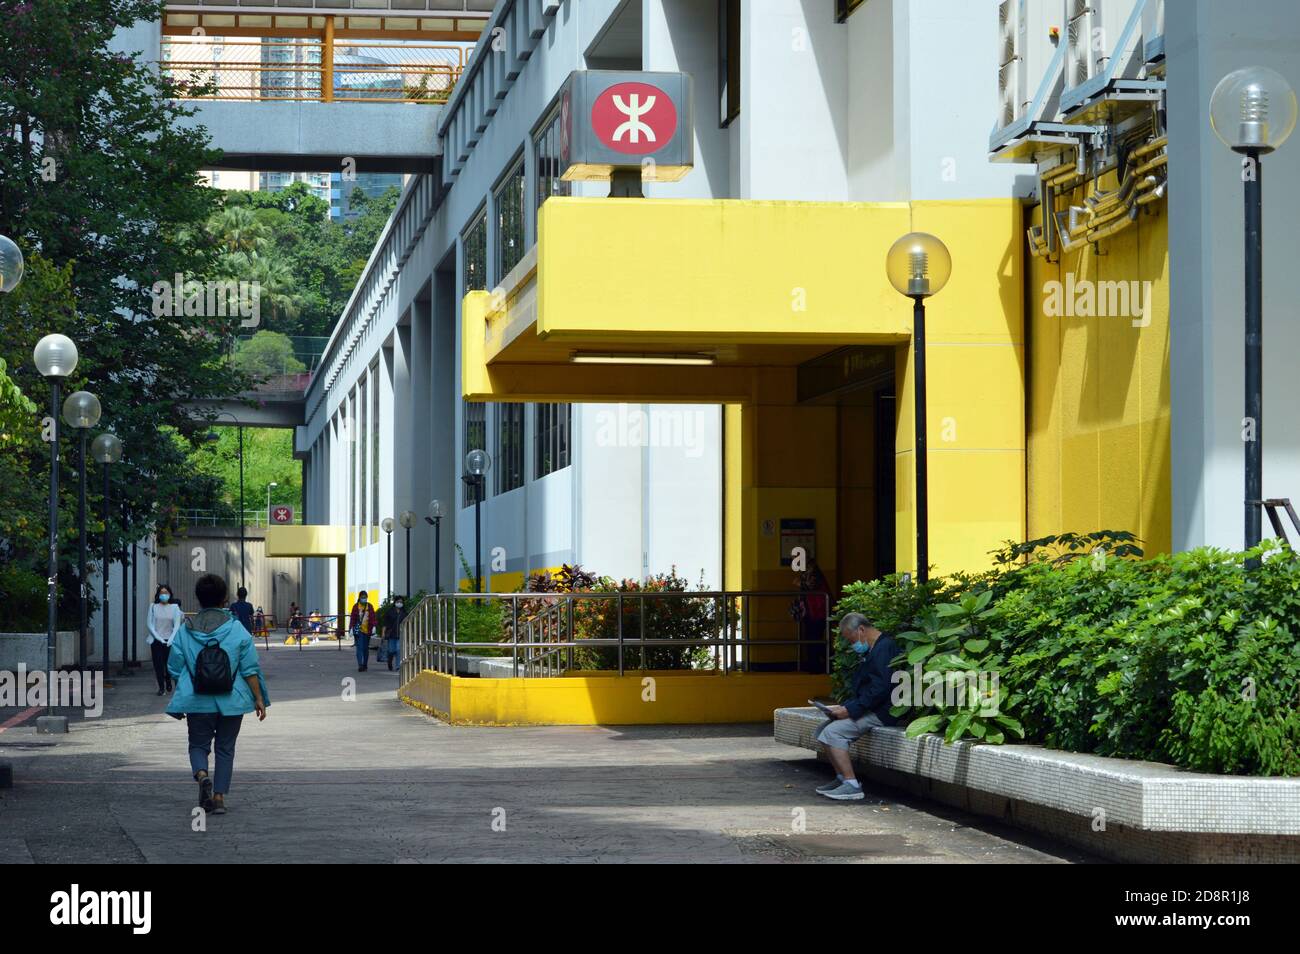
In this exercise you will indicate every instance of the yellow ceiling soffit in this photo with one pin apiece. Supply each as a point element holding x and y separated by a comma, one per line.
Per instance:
<point>307,540</point>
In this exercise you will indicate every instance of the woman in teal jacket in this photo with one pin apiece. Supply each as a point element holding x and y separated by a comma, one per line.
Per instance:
<point>215,717</point>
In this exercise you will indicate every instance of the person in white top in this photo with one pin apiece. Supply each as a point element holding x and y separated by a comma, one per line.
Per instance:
<point>165,618</point>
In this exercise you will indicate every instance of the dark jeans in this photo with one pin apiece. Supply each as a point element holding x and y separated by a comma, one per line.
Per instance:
<point>363,648</point>
<point>204,727</point>
<point>160,650</point>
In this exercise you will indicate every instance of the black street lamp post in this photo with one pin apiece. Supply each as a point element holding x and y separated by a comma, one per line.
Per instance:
<point>81,410</point>
<point>1253,111</point>
<point>107,450</point>
<point>407,519</point>
<point>435,518</point>
<point>55,357</point>
<point>477,464</point>
<point>918,266</point>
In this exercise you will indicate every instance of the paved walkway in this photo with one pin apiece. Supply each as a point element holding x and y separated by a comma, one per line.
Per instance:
<point>370,780</point>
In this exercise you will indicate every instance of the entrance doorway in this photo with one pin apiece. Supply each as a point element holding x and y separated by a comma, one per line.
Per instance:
<point>859,383</point>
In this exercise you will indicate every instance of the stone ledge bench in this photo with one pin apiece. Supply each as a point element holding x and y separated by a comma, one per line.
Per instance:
<point>1115,808</point>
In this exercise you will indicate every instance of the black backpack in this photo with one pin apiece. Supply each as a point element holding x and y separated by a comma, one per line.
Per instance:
<point>212,675</point>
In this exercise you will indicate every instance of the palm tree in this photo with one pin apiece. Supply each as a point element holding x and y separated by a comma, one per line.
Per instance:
<point>237,229</point>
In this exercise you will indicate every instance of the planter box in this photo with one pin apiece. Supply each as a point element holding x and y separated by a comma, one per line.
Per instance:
<point>1115,808</point>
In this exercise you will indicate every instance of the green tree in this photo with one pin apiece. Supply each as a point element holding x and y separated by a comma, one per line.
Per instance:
<point>267,354</point>
<point>268,457</point>
<point>99,186</point>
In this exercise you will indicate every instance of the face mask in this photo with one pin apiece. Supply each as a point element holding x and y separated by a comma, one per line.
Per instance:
<point>399,605</point>
<point>861,648</point>
<point>164,597</point>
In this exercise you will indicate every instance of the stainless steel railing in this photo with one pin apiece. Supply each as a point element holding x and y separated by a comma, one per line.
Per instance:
<point>547,634</point>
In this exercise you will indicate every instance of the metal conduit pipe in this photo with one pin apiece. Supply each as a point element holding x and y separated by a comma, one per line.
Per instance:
<point>1150,147</point>
<point>1156,163</point>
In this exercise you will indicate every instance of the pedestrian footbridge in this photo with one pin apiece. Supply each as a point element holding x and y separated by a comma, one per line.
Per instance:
<point>316,85</point>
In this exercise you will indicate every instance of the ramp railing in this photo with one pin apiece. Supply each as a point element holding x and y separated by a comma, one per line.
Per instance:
<point>549,634</point>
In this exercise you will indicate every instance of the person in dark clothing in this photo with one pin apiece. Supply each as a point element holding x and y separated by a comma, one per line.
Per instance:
<point>242,610</point>
<point>393,616</point>
<point>867,705</point>
<point>811,612</point>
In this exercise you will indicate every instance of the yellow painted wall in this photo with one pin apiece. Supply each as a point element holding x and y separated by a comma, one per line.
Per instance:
<point>731,270</point>
<point>680,698</point>
<point>975,391</point>
<point>1099,411</point>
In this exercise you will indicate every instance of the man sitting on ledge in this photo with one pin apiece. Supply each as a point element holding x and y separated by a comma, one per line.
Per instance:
<point>867,705</point>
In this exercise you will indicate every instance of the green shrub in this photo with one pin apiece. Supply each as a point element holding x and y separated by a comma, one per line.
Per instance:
<point>665,618</point>
<point>1190,658</point>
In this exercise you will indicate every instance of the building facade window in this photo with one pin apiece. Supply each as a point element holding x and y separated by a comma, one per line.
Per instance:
<point>547,143</point>
<point>350,438</point>
<point>374,445</point>
<point>475,439</point>
<point>474,243</point>
<point>363,454</point>
<point>551,438</point>
<point>508,460</point>
<point>844,7</point>
<point>728,61</point>
<point>508,201</point>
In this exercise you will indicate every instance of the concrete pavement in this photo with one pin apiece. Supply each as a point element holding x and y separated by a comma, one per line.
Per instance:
<point>366,779</point>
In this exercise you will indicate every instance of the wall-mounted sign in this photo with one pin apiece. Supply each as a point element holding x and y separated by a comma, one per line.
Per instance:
<point>798,532</point>
<point>613,120</point>
<point>281,513</point>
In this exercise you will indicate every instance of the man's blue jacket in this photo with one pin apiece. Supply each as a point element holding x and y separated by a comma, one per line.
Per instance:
<point>870,687</point>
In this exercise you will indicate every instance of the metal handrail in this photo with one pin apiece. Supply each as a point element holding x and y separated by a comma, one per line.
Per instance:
<point>431,640</point>
<point>229,69</point>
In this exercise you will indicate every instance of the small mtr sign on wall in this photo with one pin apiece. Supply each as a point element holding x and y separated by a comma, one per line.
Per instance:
<point>614,121</point>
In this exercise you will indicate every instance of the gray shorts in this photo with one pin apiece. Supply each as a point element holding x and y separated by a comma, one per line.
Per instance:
<point>841,733</point>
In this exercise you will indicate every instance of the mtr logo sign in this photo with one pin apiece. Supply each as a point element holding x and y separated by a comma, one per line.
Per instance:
<point>615,121</point>
<point>635,118</point>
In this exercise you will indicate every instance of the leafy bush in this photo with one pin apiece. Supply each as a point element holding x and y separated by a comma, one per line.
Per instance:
<point>671,618</point>
<point>1191,658</point>
<point>954,683</point>
<point>481,621</point>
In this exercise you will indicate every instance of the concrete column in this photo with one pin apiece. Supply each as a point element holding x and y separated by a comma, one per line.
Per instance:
<point>398,460</point>
<point>1204,42</point>
<point>444,411</point>
<point>422,449</point>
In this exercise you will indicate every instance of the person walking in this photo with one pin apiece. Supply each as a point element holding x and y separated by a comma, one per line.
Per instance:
<point>163,620</point>
<point>362,623</point>
<point>393,617</point>
<point>243,610</point>
<point>219,680</point>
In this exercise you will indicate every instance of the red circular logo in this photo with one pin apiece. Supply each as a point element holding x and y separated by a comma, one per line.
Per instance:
<point>635,118</point>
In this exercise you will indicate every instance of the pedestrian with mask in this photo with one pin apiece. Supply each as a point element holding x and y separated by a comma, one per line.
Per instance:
<point>362,623</point>
<point>393,617</point>
<point>163,620</point>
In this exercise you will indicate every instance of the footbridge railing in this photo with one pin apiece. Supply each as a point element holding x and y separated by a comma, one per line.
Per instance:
<point>549,634</point>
